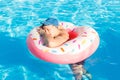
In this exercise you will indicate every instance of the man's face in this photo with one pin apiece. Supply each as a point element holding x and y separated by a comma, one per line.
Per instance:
<point>51,30</point>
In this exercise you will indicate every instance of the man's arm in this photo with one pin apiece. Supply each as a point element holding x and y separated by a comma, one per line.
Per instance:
<point>54,41</point>
<point>58,40</point>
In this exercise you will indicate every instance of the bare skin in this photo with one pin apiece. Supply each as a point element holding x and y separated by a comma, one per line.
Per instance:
<point>53,36</point>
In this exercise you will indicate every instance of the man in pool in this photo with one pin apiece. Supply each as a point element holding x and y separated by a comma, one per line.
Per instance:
<point>53,34</point>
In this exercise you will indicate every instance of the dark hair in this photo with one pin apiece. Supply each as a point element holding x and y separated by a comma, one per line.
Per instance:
<point>42,26</point>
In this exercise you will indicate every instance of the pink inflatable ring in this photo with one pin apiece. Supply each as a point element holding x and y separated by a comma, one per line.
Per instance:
<point>82,43</point>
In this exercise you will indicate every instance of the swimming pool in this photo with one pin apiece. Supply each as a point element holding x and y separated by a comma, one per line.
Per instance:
<point>18,17</point>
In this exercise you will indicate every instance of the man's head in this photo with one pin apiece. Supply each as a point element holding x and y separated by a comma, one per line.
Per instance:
<point>50,26</point>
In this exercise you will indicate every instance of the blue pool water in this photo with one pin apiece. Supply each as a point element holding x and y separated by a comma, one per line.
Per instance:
<point>18,17</point>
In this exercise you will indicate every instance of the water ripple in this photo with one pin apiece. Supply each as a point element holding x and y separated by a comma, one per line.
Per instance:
<point>18,17</point>
<point>25,13</point>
